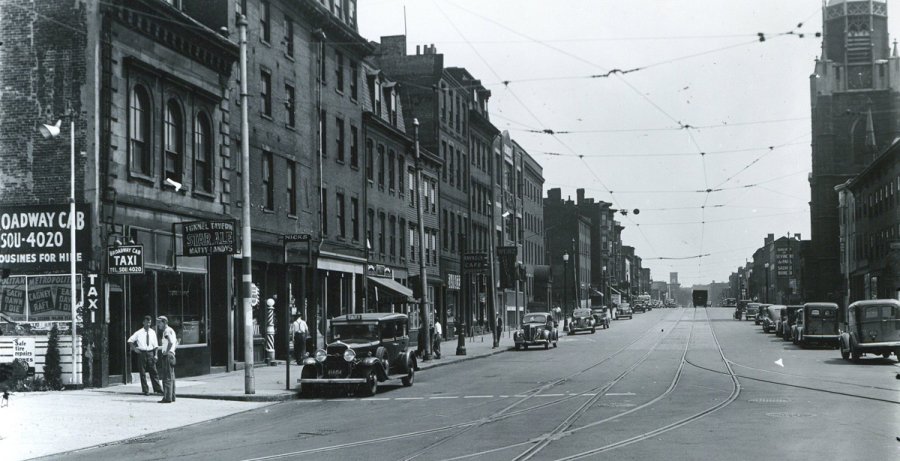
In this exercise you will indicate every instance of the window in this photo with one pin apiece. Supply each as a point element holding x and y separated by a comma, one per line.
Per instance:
<point>339,122</point>
<point>444,228</point>
<point>460,162</point>
<point>450,109</point>
<point>339,71</point>
<point>322,70</point>
<point>452,233</point>
<point>381,166</point>
<point>354,81</point>
<point>354,217</point>
<point>354,146</point>
<point>240,7</point>
<point>265,90</point>
<point>402,239</point>
<point>290,104</point>
<point>391,171</point>
<point>381,229</point>
<point>370,160</point>
<point>412,189</point>
<point>451,166</point>
<point>392,247</point>
<point>181,297</point>
<point>322,133</point>
<point>401,168</point>
<point>433,247</point>
<point>375,90</point>
<point>324,223</point>
<point>288,37</point>
<point>412,242</point>
<point>264,21</point>
<point>139,132</point>
<point>370,229</point>
<point>292,187</point>
<point>202,154</point>
<point>338,9</point>
<point>174,140</point>
<point>444,154</point>
<point>268,180</point>
<point>351,12</point>
<point>393,110</point>
<point>342,230</point>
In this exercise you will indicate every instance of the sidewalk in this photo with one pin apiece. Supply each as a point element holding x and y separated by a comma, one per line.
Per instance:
<point>39,424</point>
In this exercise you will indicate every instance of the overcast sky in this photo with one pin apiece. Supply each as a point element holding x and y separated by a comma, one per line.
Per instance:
<point>706,84</point>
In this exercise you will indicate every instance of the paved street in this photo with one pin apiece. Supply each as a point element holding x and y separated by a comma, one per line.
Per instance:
<point>672,383</point>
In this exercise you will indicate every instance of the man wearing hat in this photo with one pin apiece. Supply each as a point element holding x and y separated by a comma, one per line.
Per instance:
<point>167,360</point>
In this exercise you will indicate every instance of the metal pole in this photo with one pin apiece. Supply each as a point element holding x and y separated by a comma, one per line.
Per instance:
<point>565,293</point>
<point>246,241</point>
<point>72,223</point>
<point>423,306</point>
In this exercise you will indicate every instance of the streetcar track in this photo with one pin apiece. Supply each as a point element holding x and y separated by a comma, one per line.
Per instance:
<point>497,416</point>
<point>813,377</point>
<point>562,429</point>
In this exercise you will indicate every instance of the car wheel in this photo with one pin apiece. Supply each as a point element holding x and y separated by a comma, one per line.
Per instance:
<point>845,354</point>
<point>370,387</point>
<point>382,355</point>
<point>593,330</point>
<point>886,355</point>
<point>525,346</point>
<point>308,391</point>
<point>409,378</point>
<point>518,347</point>
<point>547,345</point>
<point>854,353</point>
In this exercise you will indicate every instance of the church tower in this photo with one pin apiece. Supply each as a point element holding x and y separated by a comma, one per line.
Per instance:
<point>855,90</point>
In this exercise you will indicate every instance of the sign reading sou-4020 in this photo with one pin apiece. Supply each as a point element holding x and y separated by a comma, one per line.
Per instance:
<point>35,238</point>
<point>202,238</point>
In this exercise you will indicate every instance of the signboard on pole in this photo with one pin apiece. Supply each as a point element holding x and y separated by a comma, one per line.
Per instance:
<point>303,257</point>
<point>475,262</point>
<point>507,256</point>
<point>204,238</point>
<point>126,260</point>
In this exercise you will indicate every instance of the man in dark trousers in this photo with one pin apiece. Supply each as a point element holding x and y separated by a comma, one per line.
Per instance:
<point>499,332</point>
<point>144,343</point>
<point>300,332</point>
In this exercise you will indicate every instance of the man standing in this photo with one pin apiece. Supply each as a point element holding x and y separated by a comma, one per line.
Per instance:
<point>438,332</point>
<point>499,332</point>
<point>167,359</point>
<point>299,331</point>
<point>143,342</point>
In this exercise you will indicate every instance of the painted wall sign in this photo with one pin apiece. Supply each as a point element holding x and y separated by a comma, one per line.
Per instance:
<point>126,260</point>
<point>202,238</point>
<point>35,238</point>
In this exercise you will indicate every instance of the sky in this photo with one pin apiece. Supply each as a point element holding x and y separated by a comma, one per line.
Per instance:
<point>709,107</point>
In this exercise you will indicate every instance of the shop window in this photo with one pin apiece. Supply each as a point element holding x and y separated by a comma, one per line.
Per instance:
<point>139,132</point>
<point>182,299</point>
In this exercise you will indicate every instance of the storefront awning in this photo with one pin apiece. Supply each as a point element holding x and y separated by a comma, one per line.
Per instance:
<point>394,288</point>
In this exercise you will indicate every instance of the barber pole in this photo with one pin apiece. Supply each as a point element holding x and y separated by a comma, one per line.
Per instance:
<point>270,330</point>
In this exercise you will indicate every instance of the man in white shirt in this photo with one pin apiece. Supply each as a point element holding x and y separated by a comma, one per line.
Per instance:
<point>167,359</point>
<point>438,333</point>
<point>143,342</point>
<point>299,331</point>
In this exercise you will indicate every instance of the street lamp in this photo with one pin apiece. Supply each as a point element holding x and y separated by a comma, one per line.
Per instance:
<point>52,131</point>
<point>565,290</point>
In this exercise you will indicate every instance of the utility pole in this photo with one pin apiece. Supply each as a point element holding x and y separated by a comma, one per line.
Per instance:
<point>423,303</point>
<point>247,276</point>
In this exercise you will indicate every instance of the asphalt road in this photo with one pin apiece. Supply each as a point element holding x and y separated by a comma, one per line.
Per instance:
<point>670,384</point>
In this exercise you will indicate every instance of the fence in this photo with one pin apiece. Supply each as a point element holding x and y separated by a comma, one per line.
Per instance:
<point>40,352</point>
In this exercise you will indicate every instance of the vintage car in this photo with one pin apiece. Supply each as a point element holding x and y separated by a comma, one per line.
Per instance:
<point>537,328</point>
<point>601,316</point>
<point>817,324</point>
<point>788,318</point>
<point>762,307</point>
<point>366,349</point>
<point>581,320</point>
<point>771,316</point>
<point>624,310</point>
<point>873,327</point>
<point>751,311</point>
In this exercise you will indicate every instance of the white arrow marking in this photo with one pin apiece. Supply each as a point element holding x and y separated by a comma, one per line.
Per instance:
<point>780,363</point>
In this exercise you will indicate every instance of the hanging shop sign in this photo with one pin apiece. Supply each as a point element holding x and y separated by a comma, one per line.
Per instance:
<point>204,238</point>
<point>126,260</point>
<point>35,238</point>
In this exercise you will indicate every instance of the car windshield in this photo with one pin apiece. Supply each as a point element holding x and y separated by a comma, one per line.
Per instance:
<point>535,318</point>
<point>359,333</point>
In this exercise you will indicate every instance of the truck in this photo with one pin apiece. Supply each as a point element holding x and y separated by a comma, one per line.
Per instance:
<point>700,298</point>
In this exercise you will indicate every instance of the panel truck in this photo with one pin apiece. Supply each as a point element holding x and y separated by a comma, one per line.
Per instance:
<point>700,298</point>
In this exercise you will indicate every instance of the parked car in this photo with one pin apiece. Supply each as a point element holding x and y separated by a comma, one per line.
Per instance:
<point>772,317</point>
<point>788,318</point>
<point>625,311</point>
<point>818,324</point>
<point>751,311</point>
<point>537,328</point>
<point>601,316</point>
<point>758,320</point>
<point>872,327</point>
<point>367,349</point>
<point>581,320</point>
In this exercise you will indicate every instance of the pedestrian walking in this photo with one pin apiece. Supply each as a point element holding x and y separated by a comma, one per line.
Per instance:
<point>144,343</point>
<point>438,332</point>
<point>167,358</point>
<point>420,342</point>
<point>499,328</point>
<point>299,331</point>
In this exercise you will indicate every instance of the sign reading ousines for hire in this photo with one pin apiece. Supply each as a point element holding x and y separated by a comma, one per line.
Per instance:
<point>203,238</point>
<point>35,238</point>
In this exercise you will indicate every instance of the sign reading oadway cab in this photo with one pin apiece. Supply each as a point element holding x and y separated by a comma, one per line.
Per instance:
<point>126,260</point>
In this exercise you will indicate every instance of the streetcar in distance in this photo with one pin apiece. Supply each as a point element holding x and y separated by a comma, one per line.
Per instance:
<point>700,298</point>
<point>872,327</point>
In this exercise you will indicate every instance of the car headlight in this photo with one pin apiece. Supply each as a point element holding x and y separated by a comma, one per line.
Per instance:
<point>349,355</point>
<point>320,355</point>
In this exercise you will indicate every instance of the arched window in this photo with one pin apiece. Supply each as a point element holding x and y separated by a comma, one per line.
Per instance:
<point>139,132</point>
<point>173,137</point>
<point>202,153</point>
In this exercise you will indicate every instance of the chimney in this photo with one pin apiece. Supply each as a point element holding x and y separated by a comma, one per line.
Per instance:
<point>579,193</point>
<point>417,50</point>
<point>393,45</point>
<point>554,194</point>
